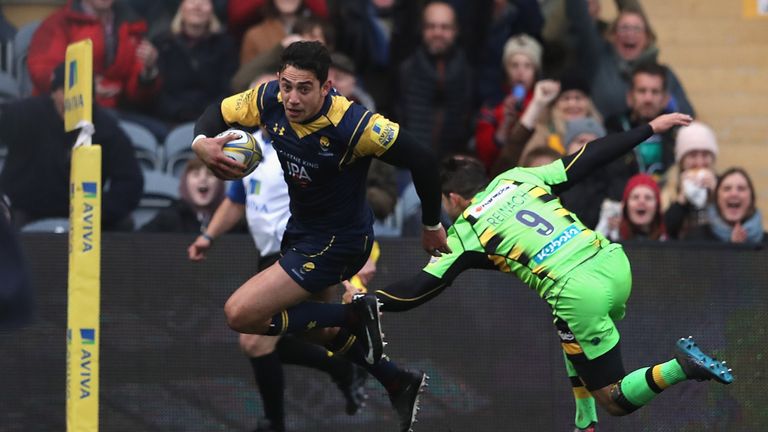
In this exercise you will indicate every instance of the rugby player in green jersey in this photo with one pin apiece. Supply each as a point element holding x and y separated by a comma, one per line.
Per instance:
<point>517,224</point>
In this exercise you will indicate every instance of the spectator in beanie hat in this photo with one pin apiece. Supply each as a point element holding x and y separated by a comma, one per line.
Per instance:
<point>499,114</point>
<point>693,180</point>
<point>641,216</point>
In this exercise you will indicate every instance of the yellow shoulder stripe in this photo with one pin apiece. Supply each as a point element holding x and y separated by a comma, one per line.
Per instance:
<point>339,106</point>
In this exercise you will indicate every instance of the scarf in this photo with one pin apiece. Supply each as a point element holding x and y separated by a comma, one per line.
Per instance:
<point>722,230</point>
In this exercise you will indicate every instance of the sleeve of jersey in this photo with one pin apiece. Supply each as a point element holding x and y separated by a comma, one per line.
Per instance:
<point>432,280</point>
<point>599,152</point>
<point>375,136</point>
<point>409,293</point>
<point>236,192</point>
<point>245,108</point>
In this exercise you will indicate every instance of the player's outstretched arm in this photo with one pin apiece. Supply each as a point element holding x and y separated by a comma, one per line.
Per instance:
<point>422,162</point>
<point>438,275</point>
<point>599,152</point>
<point>209,150</point>
<point>410,293</point>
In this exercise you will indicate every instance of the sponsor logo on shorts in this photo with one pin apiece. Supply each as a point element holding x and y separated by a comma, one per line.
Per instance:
<point>555,245</point>
<point>307,267</point>
<point>566,336</point>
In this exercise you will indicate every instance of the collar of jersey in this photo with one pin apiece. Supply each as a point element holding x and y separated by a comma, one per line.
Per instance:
<point>331,113</point>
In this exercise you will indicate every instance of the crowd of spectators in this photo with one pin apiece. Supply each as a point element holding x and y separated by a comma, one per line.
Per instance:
<point>511,82</point>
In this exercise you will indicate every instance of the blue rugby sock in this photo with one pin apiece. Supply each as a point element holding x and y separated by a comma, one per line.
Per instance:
<point>385,371</point>
<point>308,315</point>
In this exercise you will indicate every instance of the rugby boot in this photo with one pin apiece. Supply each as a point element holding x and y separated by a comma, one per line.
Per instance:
<point>405,399</point>
<point>700,366</point>
<point>368,326</point>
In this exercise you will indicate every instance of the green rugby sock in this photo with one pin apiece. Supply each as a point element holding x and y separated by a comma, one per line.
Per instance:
<point>641,386</point>
<point>586,413</point>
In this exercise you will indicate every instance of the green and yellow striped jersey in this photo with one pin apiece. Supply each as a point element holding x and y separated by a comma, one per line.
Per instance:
<point>522,228</point>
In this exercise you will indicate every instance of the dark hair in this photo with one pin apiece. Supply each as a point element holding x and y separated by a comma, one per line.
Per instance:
<point>738,170</point>
<point>307,55</point>
<point>653,69</point>
<point>463,175</point>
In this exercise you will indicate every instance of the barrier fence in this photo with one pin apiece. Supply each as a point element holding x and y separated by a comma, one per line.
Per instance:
<point>169,363</point>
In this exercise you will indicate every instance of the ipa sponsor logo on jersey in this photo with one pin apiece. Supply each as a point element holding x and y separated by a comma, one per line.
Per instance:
<point>567,235</point>
<point>479,208</point>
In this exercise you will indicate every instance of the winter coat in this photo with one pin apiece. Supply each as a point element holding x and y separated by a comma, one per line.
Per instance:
<point>120,69</point>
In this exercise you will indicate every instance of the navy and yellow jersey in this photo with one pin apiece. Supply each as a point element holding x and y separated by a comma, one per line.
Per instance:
<point>325,160</point>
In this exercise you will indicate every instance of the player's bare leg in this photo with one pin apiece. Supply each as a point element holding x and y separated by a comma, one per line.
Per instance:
<point>251,307</point>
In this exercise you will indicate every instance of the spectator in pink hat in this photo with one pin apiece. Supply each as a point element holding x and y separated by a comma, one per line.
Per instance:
<point>692,186</point>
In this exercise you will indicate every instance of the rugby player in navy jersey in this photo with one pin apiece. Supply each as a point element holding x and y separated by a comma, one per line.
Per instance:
<point>325,144</point>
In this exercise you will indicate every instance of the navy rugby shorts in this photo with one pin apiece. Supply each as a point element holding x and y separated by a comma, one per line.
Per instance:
<point>317,261</point>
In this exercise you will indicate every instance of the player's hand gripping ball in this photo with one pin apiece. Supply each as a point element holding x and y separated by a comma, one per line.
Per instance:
<point>244,149</point>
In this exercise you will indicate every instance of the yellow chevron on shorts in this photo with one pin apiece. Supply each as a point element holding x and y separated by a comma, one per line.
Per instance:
<point>572,348</point>
<point>658,378</point>
<point>562,212</point>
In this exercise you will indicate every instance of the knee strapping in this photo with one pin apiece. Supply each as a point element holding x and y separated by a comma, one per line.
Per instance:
<point>617,396</point>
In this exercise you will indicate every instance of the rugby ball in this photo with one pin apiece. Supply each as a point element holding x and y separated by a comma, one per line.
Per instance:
<point>244,149</point>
